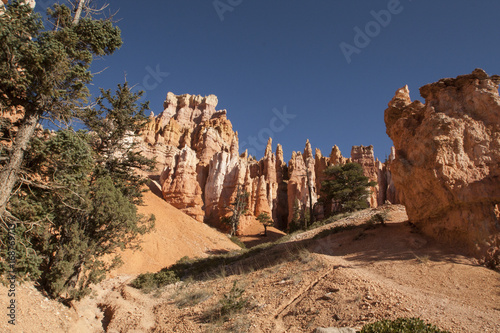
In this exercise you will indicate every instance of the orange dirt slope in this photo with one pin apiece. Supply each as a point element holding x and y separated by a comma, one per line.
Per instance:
<point>176,235</point>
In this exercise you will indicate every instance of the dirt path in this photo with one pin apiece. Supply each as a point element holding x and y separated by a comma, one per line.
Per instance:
<point>344,279</point>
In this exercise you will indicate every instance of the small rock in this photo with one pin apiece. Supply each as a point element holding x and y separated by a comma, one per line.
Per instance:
<point>327,297</point>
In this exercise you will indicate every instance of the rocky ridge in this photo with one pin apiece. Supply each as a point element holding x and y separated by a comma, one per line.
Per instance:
<point>201,167</point>
<point>447,162</point>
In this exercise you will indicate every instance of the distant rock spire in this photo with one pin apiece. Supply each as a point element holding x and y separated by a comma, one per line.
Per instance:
<point>308,151</point>
<point>269,148</point>
<point>279,154</point>
<point>336,156</point>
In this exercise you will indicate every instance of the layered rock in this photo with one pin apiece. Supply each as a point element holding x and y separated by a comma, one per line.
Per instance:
<point>201,168</point>
<point>387,193</point>
<point>9,121</point>
<point>371,169</point>
<point>179,182</point>
<point>322,163</point>
<point>447,163</point>
<point>301,188</point>
<point>184,138</point>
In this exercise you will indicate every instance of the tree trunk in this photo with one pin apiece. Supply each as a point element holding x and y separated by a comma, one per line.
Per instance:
<point>79,9</point>
<point>9,174</point>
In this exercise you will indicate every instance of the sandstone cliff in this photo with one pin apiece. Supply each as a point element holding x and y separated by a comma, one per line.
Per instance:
<point>447,163</point>
<point>201,169</point>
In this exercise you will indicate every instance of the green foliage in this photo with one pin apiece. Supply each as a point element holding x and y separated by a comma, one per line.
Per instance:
<point>229,305</point>
<point>238,242</point>
<point>266,221</point>
<point>83,207</point>
<point>55,63</point>
<point>113,124</point>
<point>233,301</point>
<point>74,203</point>
<point>238,207</point>
<point>347,187</point>
<point>149,281</point>
<point>202,268</point>
<point>401,325</point>
<point>297,218</point>
<point>378,218</point>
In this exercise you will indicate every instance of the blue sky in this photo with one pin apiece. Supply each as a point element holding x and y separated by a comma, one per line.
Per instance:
<point>258,56</point>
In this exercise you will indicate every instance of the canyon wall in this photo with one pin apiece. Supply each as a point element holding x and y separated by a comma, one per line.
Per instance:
<point>200,166</point>
<point>447,158</point>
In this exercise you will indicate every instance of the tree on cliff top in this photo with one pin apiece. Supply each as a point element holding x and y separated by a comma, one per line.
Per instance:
<point>347,187</point>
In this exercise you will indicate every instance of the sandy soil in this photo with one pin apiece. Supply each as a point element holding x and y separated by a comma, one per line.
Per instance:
<point>343,279</point>
<point>176,235</point>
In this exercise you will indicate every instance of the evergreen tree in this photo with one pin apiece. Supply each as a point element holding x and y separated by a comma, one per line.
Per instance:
<point>238,207</point>
<point>77,199</point>
<point>114,124</point>
<point>45,72</point>
<point>297,218</point>
<point>69,199</point>
<point>266,221</point>
<point>347,187</point>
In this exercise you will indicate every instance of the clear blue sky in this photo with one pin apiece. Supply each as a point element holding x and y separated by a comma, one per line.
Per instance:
<point>267,55</point>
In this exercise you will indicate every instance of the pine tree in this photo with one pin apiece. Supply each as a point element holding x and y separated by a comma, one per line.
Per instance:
<point>45,72</point>
<point>266,221</point>
<point>347,187</point>
<point>77,199</point>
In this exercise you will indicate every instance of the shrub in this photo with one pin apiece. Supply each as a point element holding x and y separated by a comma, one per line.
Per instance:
<point>230,304</point>
<point>378,218</point>
<point>192,298</point>
<point>401,325</point>
<point>148,281</point>
<point>238,242</point>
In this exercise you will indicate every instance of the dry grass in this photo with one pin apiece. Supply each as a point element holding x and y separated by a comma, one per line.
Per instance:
<point>189,298</point>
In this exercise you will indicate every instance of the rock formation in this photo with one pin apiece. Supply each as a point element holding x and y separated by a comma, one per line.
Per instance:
<point>387,190</point>
<point>365,156</point>
<point>301,186</point>
<point>201,169</point>
<point>179,181</point>
<point>447,163</point>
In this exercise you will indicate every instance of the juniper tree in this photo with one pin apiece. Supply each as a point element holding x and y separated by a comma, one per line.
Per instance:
<point>45,72</point>
<point>76,201</point>
<point>73,203</point>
